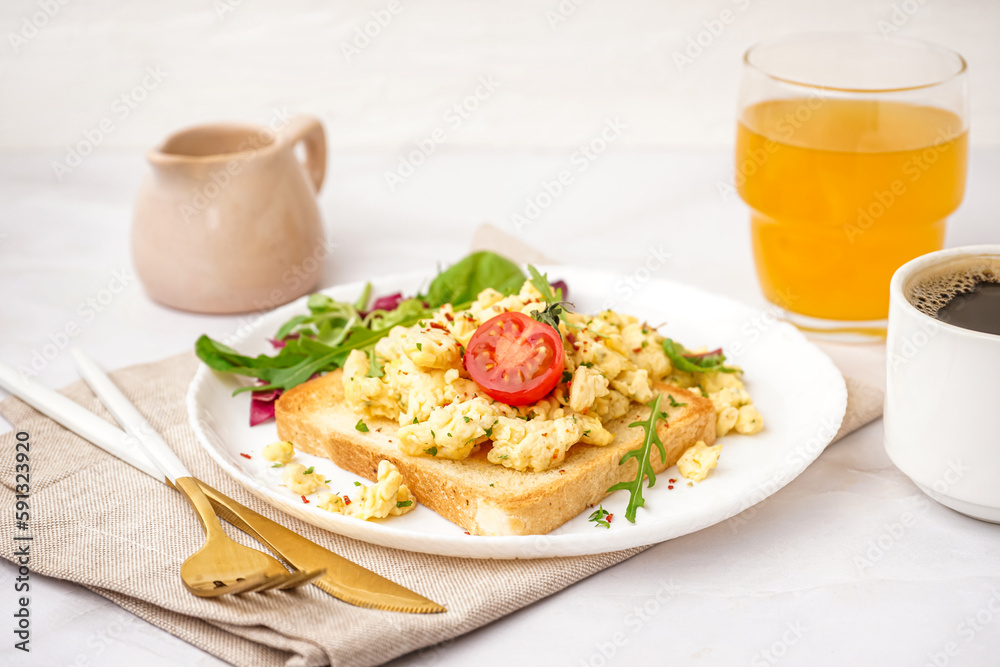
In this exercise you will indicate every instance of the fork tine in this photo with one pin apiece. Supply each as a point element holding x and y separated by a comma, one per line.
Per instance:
<point>301,578</point>
<point>273,581</point>
<point>253,583</point>
<point>250,585</point>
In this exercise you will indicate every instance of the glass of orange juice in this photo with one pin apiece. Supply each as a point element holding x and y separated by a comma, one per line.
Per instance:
<point>851,151</point>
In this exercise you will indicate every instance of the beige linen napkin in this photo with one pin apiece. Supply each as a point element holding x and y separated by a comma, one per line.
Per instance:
<point>98,522</point>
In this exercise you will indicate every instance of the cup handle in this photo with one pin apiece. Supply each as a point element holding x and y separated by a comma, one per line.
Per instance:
<point>309,130</point>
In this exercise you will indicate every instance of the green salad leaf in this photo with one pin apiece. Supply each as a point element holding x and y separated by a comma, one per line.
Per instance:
<point>641,455</point>
<point>374,368</point>
<point>320,340</point>
<point>542,284</point>
<point>462,282</point>
<point>699,363</point>
<point>556,307</point>
<point>601,517</point>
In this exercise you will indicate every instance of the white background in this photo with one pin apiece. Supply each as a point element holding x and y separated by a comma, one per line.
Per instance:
<point>734,589</point>
<point>559,78</point>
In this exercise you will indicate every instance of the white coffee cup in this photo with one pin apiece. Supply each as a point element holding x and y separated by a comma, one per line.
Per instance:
<point>942,402</point>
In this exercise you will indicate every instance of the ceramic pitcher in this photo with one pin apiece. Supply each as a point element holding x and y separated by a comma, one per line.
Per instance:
<point>226,220</point>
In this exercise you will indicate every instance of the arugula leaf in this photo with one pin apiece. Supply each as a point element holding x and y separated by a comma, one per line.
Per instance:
<point>219,357</point>
<point>641,455</point>
<point>695,364</point>
<point>374,369</point>
<point>289,326</point>
<point>462,282</point>
<point>556,307</point>
<point>598,517</point>
<point>542,284</point>
<point>366,294</point>
<point>550,315</point>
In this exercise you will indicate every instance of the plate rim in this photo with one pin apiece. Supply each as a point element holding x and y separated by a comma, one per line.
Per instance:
<point>502,547</point>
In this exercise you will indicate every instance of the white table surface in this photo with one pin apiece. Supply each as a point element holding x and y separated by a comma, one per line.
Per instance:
<point>819,574</point>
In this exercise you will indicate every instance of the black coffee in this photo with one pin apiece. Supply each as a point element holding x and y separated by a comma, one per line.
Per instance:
<point>963,292</point>
<point>977,309</point>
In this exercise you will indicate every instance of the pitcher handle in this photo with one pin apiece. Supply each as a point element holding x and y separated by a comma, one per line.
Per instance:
<point>309,130</point>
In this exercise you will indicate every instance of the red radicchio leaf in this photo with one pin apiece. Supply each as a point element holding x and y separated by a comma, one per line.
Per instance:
<point>268,396</point>
<point>278,344</point>
<point>389,302</point>
<point>262,404</point>
<point>261,411</point>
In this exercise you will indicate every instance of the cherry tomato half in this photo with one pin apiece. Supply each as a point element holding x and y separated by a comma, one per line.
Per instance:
<point>515,359</point>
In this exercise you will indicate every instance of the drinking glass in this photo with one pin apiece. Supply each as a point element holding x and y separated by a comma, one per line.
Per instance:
<point>851,152</point>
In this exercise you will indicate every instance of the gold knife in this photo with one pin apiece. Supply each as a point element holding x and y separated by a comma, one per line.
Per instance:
<point>344,579</point>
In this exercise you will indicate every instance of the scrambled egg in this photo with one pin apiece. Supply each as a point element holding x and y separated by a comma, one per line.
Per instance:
<point>610,361</point>
<point>698,460</point>
<point>301,480</point>
<point>279,452</point>
<point>388,496</point>
<point>734,409</point>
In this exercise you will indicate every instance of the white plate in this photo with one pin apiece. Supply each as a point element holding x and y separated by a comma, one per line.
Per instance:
<point>797,389</point>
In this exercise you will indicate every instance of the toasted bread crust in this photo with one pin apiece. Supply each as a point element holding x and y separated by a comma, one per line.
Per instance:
<point>481,497</point>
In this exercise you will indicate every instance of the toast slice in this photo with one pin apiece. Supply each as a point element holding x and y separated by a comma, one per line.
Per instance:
<point>481,497</point>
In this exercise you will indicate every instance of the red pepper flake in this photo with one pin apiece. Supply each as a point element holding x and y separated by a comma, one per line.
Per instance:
<point>670,486</point>
<point>448,317</point>
<point>438,325</point>
<point>609,517</point>
<point>637,350</point>
<point>561,472</point>
<point>671,480</point>
<point>246,456</point>
<point>347,500</point>
<point>571,338</point>
<point>468,533</point>
<point>305,500</point>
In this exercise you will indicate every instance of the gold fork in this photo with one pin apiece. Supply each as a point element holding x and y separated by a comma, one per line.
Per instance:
<point>221,566</point>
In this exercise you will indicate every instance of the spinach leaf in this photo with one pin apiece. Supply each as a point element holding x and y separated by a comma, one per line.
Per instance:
<point>462,282</point>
